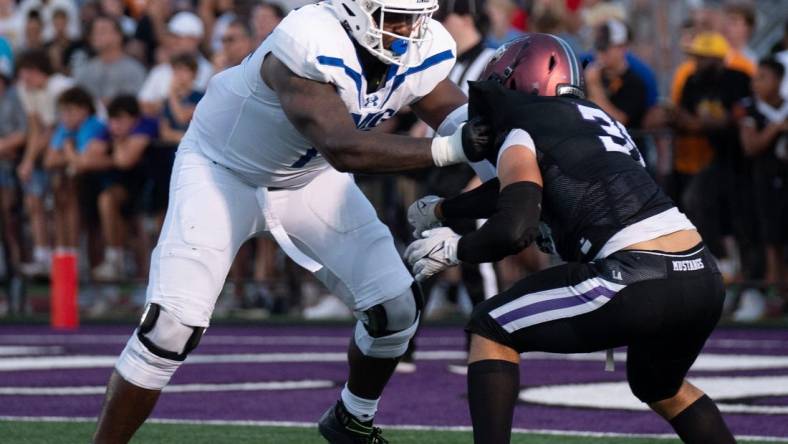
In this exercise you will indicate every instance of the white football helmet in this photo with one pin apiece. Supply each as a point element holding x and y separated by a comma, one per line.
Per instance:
<point>364,20</point>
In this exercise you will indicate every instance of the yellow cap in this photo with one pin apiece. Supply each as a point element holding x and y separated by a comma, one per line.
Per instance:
<point>708,44</point>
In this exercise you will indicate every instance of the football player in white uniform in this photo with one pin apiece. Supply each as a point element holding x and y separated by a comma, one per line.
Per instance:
<point>270,149</point>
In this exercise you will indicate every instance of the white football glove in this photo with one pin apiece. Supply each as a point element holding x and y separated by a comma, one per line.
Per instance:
<point>421,215</point>
<point>434,253</point>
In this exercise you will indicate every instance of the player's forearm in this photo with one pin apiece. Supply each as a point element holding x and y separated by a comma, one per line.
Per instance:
<point>364,152</point>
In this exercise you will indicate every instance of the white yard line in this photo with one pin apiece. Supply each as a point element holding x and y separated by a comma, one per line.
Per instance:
<point>209,339</point>
<point>80,361</point>
<point>173,388</point>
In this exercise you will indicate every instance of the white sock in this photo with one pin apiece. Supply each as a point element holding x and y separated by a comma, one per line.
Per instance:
<point>363,409</point>
<point>42,254</point>
<point>113,255</point>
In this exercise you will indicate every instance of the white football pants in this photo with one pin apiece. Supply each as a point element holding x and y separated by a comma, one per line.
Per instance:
<point>212,212</point>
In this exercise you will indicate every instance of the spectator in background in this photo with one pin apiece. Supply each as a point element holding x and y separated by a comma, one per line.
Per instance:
<point>500,13</point>
<point>111,72</point>
<point>610,82</point>
<point>237,43</point>
<point>10,22</point>
<point>76,148</point>
<point>468,24</point>
<point>764,137</point>
<point>34,31</point>
<point>216,15</point>
<point>114,10</point>
<point>128,137</point>
<point>39,89</point>
<point>738,26</point>
<point>13,128</point>
<point>717,198</point>
<point>46,9</point>
<point>708,19</point>
<point>265,17</point>
<point>79,52</point>
<point>60,43</point>
<point>6,56</point>
<point>553,17</point>
<point>151,31</point>
<point>182,100</point>
<point>187,32</point>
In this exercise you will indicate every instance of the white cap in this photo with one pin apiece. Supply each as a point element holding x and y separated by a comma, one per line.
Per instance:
<point>186,24</point>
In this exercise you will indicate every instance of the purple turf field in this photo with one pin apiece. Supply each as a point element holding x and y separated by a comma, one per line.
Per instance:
<point>46,373</point>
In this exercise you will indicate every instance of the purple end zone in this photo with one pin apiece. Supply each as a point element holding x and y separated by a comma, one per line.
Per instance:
<point>431,396</point>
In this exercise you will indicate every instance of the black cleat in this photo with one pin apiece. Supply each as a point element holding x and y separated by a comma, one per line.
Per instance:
<point>338,426</point>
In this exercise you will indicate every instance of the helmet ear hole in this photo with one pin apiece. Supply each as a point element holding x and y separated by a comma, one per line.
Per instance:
<point>551,64</point>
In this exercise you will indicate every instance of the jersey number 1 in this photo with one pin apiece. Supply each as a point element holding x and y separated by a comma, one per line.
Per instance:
<point>618,138</point>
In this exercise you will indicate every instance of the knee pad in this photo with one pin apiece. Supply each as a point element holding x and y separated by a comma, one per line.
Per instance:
<point>165,336</point>
<point>385,329</point>
<point>157,349</point>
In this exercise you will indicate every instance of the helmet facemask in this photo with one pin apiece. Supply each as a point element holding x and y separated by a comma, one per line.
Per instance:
<point>366,20</point>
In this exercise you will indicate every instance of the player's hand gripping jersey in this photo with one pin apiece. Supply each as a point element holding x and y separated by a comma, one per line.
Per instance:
<point>240,123</point>
<point>597,197</point>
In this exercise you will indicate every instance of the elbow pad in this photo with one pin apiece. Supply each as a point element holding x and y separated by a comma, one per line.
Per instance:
<point>513,227</point>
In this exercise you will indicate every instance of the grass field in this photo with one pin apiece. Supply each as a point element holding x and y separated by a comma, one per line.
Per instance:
<point>79,432</point>
<point>43,432</point>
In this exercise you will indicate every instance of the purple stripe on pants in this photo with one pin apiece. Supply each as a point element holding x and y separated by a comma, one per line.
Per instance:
<point>554,304</point>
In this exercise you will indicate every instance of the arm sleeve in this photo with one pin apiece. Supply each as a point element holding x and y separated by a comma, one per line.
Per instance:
<point>478,203</point>
<point>513,226</point>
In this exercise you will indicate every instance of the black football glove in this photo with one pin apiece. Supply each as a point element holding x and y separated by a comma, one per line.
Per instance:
<point>477,139</point>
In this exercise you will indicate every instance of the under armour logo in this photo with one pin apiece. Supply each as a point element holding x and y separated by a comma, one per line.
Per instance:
<point>617,275</point>
<point>371,101</point>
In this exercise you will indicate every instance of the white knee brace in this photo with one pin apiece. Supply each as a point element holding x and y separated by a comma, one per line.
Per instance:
<point>156,349</point>
<point>385,329</point>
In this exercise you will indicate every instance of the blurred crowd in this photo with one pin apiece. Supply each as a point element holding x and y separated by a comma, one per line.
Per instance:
<point>96,94</point>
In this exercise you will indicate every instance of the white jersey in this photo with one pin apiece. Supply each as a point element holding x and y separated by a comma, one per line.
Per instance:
<point>239,123</point>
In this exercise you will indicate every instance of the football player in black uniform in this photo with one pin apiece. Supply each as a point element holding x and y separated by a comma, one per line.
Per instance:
<point>570,178</point>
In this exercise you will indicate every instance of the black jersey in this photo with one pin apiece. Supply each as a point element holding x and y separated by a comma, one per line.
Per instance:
<point>594,180</point>
<point>761,114</point>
